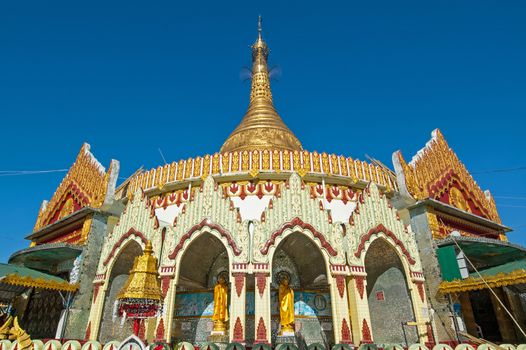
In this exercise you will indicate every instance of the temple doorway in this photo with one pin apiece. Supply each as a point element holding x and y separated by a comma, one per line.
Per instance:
<point>484,313</point>
<point>111,326</point>
<point>301,259</point>
<point>388,295</point>
<point>202,262</point>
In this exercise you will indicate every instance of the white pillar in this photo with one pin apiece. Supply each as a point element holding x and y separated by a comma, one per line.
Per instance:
<point>340,306</point>
<point>238,302</point>
<point>359,306</point>
<point>262,303</point>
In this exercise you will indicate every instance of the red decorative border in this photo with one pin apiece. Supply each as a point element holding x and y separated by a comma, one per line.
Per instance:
<point>165,284</point>
<point>123,238</point>
<point>346,332</point>
<point>261,282</point>
<point>366,332</point>
<point>340,283</point>
<point>238,331</point>
<point>239,281</point>
<point>360,285</point>
<point>198,227</point>
<point>261,333</point>
<point>420,286</point>
<point>96,288</point>
<point>88,331</point>
<point>382,229</point>
<point>159,334</point>
<point>290,225</point>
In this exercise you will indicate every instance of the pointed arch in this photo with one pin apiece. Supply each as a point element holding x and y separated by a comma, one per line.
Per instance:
<point>373,233</point>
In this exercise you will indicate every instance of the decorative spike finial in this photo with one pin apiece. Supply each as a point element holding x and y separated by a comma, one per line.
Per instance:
<point>260,29</point>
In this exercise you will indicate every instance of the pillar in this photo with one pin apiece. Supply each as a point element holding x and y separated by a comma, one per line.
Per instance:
<point>467,314</point>
<point>100,286</point>
<point>262,303</point>
<point>340,304</point>
<point>518,312</point>
<point>420,309</point>
<point>506,325</point>
<point>163,330</point>
<point>359,306</point>
<point>238,303</point>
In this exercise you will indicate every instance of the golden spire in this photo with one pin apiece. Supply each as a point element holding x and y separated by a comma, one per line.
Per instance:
<point>261,127</point>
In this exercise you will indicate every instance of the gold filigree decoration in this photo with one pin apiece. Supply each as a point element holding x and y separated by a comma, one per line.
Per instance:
<point>456,199</point>
<point>499,280</point>
<point>432,165</point>
<point>67,209</point>
<point>86,175</point>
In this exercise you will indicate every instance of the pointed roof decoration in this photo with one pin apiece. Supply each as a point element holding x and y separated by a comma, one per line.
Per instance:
<point>87,184</point>
<point>261,127</point>
<point>436,172</point>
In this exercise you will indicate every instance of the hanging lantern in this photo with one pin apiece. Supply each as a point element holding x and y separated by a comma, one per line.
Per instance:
<point>141,295</point>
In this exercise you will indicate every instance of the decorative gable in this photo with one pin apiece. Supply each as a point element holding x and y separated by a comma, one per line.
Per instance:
<point>437,173</point>
<point>207,210</point>
<point>294,210</point>
<point>86,184</point>
<point>137,222</point>
<point>376,216</point>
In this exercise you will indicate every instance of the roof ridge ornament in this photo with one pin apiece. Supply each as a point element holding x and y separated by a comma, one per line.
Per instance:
<point>261,127</point>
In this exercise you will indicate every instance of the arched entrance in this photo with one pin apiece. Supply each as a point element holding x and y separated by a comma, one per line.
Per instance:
<point>388,295</point>
<point>111,327</point>
<point>203,260</point>
<point>300,258</point>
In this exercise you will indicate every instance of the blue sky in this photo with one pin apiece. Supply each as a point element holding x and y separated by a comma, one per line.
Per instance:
<point>358,78</point>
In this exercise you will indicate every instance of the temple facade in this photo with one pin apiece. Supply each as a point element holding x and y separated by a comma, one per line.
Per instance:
<point>372,255</point>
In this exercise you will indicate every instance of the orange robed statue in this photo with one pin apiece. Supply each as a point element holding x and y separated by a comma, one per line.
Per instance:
<point>220,315</point>
<point>286,306</point>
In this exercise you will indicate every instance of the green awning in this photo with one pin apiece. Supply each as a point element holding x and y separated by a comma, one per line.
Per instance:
<point>12,275</point>
<point>485,253</point>
<point>505,268</point>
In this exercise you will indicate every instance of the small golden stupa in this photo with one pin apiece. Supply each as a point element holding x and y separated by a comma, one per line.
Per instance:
<point>141,295</point>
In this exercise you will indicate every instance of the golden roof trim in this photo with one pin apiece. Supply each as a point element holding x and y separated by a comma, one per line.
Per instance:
<point>261,161</point>
<point>27,281</point>
<point>499,280</point>
<point>261,126</point>
<point>432,163</point>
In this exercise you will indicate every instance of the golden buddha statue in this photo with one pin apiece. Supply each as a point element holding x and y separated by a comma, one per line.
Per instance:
<point>220,315</point>
<point>286,306</point>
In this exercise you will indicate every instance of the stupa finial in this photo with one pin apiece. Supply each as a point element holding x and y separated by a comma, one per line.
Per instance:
<point>261,127</point>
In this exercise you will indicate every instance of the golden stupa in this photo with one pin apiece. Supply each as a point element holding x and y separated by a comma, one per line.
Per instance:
<point>261,127</point>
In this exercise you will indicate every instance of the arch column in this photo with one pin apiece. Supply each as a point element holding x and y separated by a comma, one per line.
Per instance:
<point>340,304</point>
<point>238,302</point>
<point>262,319</point>
<point>163,330</point>
<point>416,288</point>
<point>359,306</point>
<point>100,286</point>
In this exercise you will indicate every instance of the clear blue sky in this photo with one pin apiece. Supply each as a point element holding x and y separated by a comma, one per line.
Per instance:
<point>366,77</point>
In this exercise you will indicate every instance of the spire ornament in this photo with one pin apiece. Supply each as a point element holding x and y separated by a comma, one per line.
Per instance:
<point>261,127</point>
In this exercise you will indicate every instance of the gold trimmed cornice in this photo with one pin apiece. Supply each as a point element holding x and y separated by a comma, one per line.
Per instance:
<point>261,161</point>
<point>470,283</point>
<point>26,281</point>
